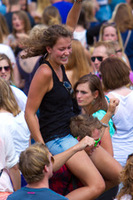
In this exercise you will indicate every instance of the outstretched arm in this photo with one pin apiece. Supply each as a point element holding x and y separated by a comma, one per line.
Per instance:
<point>60,159</point>
<point>73,15</point>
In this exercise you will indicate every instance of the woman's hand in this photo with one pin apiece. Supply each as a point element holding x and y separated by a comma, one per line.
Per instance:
<point>114,102</point>
<point>86,142</point>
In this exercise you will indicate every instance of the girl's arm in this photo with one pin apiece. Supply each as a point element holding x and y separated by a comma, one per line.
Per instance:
<point>73,15</point>
<point>106,138</point>
<point>40,85</point>
<point>60,159</point>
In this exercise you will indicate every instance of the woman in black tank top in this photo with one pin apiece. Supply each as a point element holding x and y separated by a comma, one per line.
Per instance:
<point>50,91</point>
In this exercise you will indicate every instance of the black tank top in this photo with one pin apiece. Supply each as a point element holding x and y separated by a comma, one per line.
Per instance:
<point>56,109</point>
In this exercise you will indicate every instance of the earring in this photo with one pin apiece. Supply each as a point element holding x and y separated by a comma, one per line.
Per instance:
<point>93,102</point>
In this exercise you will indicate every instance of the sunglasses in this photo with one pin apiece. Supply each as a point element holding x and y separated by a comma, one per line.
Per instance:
<point>99,58</point>
<point>6,68</point>
<point>68,87</point>
<point>97,142</point>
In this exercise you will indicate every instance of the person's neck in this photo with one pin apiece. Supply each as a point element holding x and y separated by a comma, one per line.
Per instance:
<point>86,109</point>
<point>56,1</point>
<point>122,88</point>
<point>41,184</point>
<point>53,64</point>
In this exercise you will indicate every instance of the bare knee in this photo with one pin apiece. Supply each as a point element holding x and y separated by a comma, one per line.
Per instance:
<point>98,188</point>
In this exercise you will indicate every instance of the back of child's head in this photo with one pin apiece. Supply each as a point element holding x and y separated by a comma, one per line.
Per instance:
<point>83,124</point>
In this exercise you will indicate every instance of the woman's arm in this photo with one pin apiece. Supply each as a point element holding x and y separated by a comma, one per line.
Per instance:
<point>73,15</point>
<point>19,82</point>
<point>40,85</point>
<point>60,159</point>
<point>106,142</point>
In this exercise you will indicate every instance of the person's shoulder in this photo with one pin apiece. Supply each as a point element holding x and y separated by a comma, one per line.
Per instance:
<point>8,14</point>
<point>20,97</point>
<point>15,194</point>
<point>19,92</point>
<point>55,196</point>
<point>45,70</point>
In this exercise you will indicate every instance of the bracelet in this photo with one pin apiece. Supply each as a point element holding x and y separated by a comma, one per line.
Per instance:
<point>106,125</point>
<point>78,1</point>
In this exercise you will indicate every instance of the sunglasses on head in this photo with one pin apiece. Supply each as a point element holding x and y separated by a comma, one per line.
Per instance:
<point>99,58</point>
<point>6,68</point>
<point>106,24</point>
<point>97,142</point>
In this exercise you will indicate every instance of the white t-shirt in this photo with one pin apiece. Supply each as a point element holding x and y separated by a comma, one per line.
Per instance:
<point>8,156</point>
<point>18,129</point>
<point>125,197</point>
<point>81,36</point>
<point>102,2</point>
<point>20,97</point>
<point>122,140</point>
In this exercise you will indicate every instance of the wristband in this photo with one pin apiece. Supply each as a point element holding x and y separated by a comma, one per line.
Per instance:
<point>78,1</point>
<point>105,125</point>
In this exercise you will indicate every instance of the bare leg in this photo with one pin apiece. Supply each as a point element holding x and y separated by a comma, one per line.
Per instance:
<point>108,167</point>
<point>81,166</point>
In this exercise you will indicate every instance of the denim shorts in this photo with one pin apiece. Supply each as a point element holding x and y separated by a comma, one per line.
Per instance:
<point>59,145</point>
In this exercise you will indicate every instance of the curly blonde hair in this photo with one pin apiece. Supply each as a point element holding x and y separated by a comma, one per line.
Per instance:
<point>126,177</point>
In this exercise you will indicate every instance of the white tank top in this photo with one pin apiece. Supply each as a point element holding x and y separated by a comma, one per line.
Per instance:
<point>123,119</point>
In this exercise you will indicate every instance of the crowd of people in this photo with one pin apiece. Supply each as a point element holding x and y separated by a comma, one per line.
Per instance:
<point>66,99</point>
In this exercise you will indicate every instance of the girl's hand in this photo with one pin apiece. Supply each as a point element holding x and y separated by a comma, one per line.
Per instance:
<point>114,102</point>
<point>85,142</point>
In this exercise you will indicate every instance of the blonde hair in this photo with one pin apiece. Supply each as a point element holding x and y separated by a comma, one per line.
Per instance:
<point>123,17</point>
<point>110,50</point>
<point>51,16</point>
<point>89,7</point>
<point>77,61</point>
<point>126,177</point>
<point>112,24</point>
<point>41,5</point>
<point>7,99</point>
<point>32,162</point>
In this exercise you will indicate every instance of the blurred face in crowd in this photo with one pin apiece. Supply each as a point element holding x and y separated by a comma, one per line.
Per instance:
<point>18,24</point>
<point>99,54</point>
<point>5,72</point>
<point>110,34</point>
